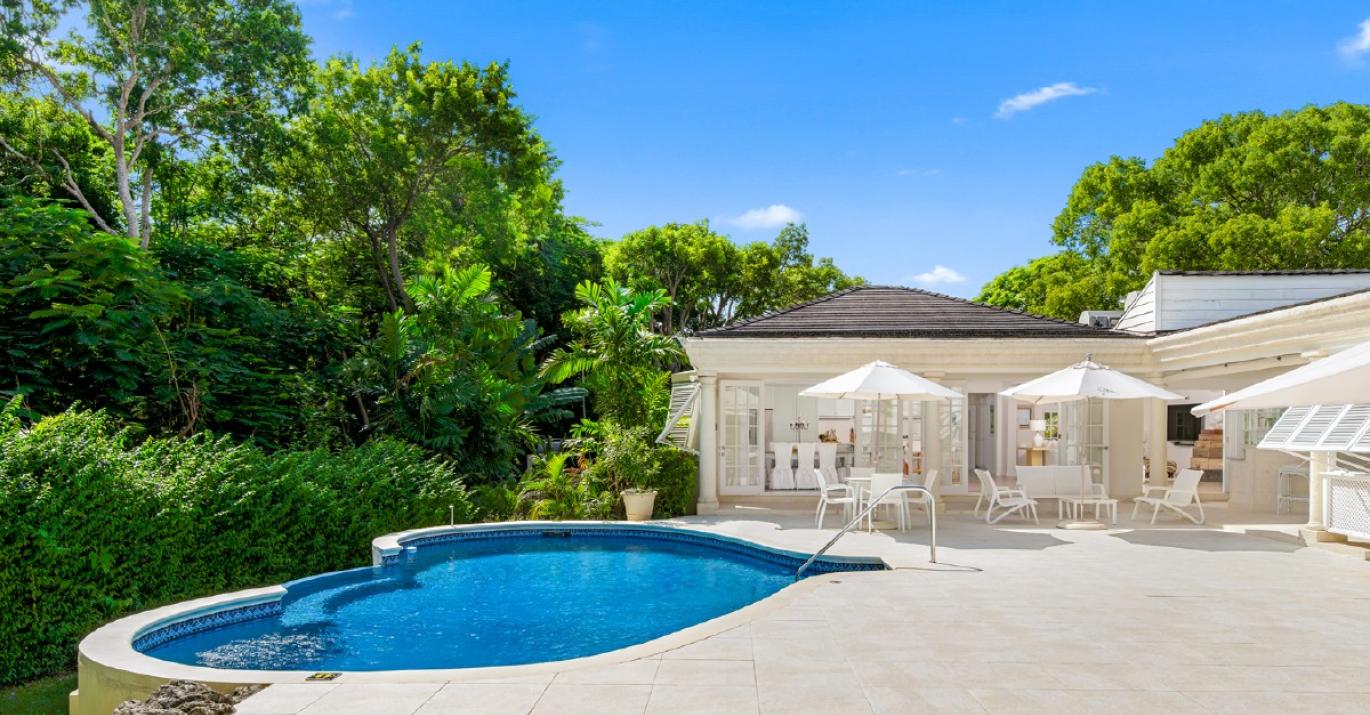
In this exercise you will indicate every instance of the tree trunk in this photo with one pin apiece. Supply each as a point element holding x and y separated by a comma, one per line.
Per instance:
<point>393,249</point>
<point>381,274</point>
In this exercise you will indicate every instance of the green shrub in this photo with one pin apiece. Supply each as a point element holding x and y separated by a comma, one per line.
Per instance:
<point>676,481</point>
<point>96,523</point>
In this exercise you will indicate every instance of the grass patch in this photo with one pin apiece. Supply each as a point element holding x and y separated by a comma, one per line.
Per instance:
<point>45,696</point>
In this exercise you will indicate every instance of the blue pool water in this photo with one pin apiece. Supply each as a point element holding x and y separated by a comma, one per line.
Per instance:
<point>489,602</point>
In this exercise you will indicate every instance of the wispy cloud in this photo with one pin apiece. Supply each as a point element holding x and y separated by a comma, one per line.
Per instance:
<point>939,275</point>
<point>344,11</point>
<point>773,216</point>
<point>1358,45</point>
<point>918,172</point>
<point>1037,97</point>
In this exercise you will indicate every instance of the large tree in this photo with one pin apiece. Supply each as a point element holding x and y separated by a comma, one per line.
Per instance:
<point>1246,191</point>
<point>387,149</point>
<point>712,282</point>
<point>153,80</point>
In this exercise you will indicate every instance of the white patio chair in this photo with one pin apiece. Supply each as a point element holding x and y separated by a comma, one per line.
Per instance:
<point>919,499</point>
<point>1176,498</point>
<point>899,500</point>
<point>831,493</point>
<point>804,477</point>
<point>827,462</point>
<point>782,474</point>
<point>1011,500</point>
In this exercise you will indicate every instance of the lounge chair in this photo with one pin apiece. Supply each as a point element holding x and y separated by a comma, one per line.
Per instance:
<point>834,494</point>
<point>1177,497</point>
<point>1011,500</point>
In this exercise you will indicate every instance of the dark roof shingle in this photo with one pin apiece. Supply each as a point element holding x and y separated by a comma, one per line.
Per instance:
<point>899,312</point>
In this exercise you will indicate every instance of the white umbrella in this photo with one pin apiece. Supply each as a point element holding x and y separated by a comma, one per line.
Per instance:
<point>1081,381</point>
<point>877,381</point>
<point>1334,380</point>
<point>1084,380</point>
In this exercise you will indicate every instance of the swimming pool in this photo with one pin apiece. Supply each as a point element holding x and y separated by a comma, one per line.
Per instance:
<point>490,597</point>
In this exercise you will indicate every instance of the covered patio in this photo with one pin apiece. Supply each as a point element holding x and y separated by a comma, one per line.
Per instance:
<point>743,400</point>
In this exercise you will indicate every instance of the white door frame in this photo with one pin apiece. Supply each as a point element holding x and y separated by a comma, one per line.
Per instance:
<point>759,478</point>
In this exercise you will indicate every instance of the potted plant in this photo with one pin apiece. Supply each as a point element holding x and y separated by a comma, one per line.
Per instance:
<point>638,503</point>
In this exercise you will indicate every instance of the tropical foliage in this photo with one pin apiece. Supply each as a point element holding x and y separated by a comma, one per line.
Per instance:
<point>257,309</point>
<point>1247,191</point>
<point>96,521</point>
<point>615,350</point>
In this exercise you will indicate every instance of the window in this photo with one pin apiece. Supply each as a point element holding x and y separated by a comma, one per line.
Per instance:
<point>1181,425</point>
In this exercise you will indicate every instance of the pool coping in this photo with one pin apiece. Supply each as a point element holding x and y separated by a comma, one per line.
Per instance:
<point>110,648</point>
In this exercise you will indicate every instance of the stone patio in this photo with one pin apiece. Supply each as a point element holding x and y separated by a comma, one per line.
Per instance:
<point>1015,619</point>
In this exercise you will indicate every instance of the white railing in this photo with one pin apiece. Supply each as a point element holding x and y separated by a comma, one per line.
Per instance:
<point>932,524</point>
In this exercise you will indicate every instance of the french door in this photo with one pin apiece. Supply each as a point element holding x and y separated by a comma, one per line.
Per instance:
<point>741,452</point>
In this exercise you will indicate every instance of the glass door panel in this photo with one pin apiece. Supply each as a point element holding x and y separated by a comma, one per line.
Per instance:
<point>741,441</point>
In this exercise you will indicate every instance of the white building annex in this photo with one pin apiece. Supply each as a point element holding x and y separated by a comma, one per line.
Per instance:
<point>1198,334</point>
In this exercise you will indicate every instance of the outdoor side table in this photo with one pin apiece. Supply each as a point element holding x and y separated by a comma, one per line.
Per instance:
<point>1077,505</point>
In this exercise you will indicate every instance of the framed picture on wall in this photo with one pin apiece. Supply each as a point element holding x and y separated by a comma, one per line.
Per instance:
<point>1024,417</point>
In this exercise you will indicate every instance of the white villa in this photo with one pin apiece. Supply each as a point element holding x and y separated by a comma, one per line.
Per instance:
<point>1198,334</point>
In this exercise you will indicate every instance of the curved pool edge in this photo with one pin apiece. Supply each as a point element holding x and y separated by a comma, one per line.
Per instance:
<point>111,670</point>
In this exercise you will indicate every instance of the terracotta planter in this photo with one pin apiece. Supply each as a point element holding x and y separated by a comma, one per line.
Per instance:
<point>638,504</point>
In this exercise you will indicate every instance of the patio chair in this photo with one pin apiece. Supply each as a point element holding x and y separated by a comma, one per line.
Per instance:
<point>1011,500</point>
<point>832,493</point>
<point>827,462</point>
<point>1176,498</point>
<point>899,500</point>
<point>782,474</point>
<point>804,477</point>
<point>919,499</point>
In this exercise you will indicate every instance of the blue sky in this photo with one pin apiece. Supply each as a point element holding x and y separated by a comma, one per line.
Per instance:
<point>909,136</point>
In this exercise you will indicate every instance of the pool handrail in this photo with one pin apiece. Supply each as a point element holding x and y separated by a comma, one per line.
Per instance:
<point>932,525</point>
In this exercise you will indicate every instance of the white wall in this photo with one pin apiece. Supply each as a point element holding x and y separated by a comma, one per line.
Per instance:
<point>1140,315</point>
<point>1251,473</point>
<point>1187,301</point>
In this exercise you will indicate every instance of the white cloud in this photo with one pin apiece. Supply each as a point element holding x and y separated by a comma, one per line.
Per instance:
<point>1353,47</point>
<point>1038,97</point>
<point>773,216</point>
<point>939,275</point>
<point>918,172</point>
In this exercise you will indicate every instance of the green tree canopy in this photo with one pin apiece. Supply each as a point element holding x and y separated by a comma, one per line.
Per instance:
<point>385,147</point>
<point>1247,191</point>
<point>151,79</point>
<point>712,281</point>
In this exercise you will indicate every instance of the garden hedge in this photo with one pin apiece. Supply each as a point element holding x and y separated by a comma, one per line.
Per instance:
<point>96,522</point>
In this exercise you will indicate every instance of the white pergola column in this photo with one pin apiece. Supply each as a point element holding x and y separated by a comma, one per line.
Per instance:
<point>708,445</point>
<point>1317,464</point>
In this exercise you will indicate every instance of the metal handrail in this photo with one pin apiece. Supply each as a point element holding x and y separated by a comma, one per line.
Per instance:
<point>932,524</point>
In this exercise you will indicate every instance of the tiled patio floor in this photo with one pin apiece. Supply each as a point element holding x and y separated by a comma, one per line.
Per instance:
<point>1017,619</point>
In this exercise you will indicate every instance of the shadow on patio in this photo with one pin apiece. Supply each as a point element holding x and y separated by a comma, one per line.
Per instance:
<point>1203,540</point>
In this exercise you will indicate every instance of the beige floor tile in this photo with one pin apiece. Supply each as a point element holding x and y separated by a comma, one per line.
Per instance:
<point>286,698</point>
<point>1279,703</point>
<point>812,699</point>
<point>922,701</point>
<point>706,672</point>
<point>1019,701</point>
<point>713,649</point>
<point>373,699</point>
<point>634,672</point>
<point>703,700</point>
<point>577,699</point>
<point>483,699</point>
